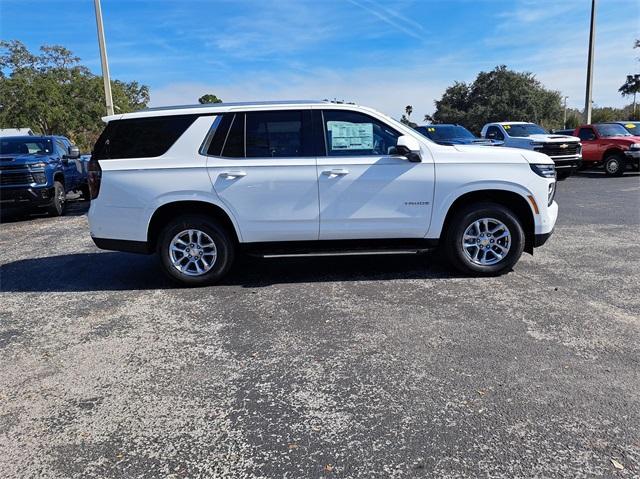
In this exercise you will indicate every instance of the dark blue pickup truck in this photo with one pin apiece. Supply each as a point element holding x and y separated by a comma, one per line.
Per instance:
<point>37,172</point>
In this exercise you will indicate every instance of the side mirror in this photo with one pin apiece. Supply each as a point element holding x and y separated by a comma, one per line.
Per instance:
<point>409,147</point>
<point>74,153</point>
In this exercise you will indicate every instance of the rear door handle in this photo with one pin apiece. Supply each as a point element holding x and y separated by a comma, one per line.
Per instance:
<point>231,175</point>
<point>335,172</point>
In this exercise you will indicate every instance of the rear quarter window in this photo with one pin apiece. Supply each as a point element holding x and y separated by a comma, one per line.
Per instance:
<point>141,137</point>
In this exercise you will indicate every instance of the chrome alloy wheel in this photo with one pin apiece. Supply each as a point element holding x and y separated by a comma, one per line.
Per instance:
<point>613,165</point>
<point>192,252</point>
<point>486,241</point>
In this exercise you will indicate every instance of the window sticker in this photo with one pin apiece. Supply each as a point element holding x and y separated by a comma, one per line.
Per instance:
<point>431,129</point>
<point>350,136</point>
<point>630,125</point>
<point>506,127</point>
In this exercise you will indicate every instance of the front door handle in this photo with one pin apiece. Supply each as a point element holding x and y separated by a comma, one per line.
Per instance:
<point>336,172</point>
<point>232,175</point>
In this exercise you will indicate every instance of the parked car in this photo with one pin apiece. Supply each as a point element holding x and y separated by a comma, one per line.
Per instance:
<point>37,172</point>
<point>450,134</point>
<point>195,184</point>
<point>565,151</point>
<point>632,127</point>
<point>609,145</point>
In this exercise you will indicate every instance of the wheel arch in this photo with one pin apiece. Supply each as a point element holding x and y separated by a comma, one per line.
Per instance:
<point>613,150</point>
<point>512,200</point>
<point>59,176</point>
<point>166,212</point>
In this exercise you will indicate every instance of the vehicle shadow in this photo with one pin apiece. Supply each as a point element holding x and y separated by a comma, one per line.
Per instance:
<point>600,174</point>
<point>74,207</point>
<point>111,271</point>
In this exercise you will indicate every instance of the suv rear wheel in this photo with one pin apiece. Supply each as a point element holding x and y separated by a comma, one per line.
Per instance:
<point>614,164</point>
<point>195,250</point>
<point>485,239</point>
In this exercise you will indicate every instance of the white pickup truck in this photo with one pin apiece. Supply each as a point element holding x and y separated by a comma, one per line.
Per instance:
<point>565,151</point>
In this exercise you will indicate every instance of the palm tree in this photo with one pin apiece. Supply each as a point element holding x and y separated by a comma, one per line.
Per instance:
<point>408,110</point>
<point>631,87</point>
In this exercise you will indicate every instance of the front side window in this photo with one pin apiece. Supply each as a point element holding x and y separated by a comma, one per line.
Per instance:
<point>494,133</point>
<point>586,134</point>
<point>351,133</point>
<point>276,134</point>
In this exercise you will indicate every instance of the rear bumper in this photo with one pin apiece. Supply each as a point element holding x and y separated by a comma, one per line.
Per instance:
<point>127,246</point>
<point>25,197</point>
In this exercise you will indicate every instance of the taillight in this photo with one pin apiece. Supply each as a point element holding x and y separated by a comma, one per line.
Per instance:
<point>94,174</point>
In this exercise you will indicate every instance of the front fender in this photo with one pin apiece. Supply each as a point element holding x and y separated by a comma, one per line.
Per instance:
<point>445,200</point>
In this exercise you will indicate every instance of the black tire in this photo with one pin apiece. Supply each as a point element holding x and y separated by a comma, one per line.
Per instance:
<point>224,246</point>
<point>59,201</point>
<point>563,175</point>
<point>85,192</point>
<point>614,164</point>
<point>463,219</point>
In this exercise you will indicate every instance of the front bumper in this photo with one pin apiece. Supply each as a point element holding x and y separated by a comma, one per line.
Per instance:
<point>540,239</point>
<point>633,157</point>
<point>573,162</point>
<point>25,197</point>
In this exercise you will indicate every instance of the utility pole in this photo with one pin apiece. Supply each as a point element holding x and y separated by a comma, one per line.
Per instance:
<point>103,57</point>
<point>564,122</point>
<point>592,35</point>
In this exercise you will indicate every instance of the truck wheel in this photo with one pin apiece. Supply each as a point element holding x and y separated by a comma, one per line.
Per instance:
<point>195,250</point>
<point>56,207</point>
<point>484,239</point>
<point>614,165</point>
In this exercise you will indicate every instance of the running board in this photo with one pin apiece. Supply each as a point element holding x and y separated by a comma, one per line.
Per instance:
<point>338,247</point>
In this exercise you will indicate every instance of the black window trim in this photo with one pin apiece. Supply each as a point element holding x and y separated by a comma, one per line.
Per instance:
<point>209,138</point>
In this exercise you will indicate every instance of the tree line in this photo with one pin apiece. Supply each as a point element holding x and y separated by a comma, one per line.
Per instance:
<point>52,93</point>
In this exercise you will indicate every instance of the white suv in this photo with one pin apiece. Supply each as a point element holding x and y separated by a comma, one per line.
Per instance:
<point>198,183</point>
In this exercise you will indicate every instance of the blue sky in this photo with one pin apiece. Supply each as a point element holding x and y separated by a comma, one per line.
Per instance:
<point>384,54</point>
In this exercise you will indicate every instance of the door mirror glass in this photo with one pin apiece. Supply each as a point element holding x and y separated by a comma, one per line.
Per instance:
<point>409,147</point>
<point>74,152</point>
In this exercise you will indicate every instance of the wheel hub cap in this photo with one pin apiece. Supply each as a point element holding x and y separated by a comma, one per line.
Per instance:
<point>193,252</point>
<point>486,241</point>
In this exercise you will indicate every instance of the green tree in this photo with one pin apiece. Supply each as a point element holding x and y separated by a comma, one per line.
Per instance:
<point>209,98</point>
<point>52,93</point>
<point>499,95</point>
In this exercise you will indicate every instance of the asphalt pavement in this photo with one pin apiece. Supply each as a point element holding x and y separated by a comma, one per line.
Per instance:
<point>339,367</point>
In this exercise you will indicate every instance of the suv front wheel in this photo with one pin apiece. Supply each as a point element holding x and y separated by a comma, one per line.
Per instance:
<point>485,239</point>
<point>195,250</point>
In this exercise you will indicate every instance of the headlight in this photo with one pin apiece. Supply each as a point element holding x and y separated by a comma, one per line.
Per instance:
<point>40,164</point>
<point>535,144</point>
<point>39,177</point>
<point>546,171</point>
<point>635,146</point>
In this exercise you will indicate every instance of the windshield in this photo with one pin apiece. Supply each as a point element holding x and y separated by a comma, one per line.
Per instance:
<point>25,146</point>
<point>445,132</point>
<point>612,129</point>
<point>633,127</point>
<point>527,129</point>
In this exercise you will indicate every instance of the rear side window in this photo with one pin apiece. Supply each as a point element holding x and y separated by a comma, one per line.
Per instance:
<point>141,137</point>
<point>277,134</point>
<point>494,133</point>
<point>234,145</point>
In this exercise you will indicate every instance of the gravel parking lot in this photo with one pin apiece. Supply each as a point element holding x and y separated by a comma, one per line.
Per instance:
<point>367,366</point>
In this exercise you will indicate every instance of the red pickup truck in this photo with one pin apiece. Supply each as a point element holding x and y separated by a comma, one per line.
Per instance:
<point>610,145</point>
